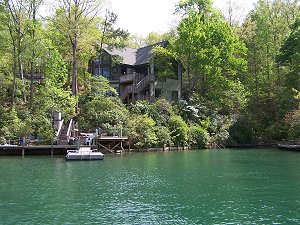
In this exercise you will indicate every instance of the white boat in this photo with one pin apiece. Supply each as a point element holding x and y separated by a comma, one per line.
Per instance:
<point>84,153</point>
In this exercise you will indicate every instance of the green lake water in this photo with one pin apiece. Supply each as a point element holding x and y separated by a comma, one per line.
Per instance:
<point>259,186</point>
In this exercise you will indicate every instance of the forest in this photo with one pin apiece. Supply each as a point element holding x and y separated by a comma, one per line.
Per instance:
<point>241,82</point>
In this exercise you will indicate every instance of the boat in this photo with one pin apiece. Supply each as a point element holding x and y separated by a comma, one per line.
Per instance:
<point>84,153</point>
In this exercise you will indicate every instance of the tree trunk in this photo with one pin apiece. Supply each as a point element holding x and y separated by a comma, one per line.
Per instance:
<point>21,75</point>
<point>189,77</point>
<point>85,85</point>
<point>74,74</point>
<point>32,60</point>
<point>31,82</point>
<point>14,73</point>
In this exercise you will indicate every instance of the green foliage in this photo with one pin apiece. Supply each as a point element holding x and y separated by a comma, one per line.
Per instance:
<point>212,55</point>
<point>199,6</point>
<point>113,37</point>
<point>179,130</point>
<point>51,95</point>
<point>165,64</point>
<point>97,88</point>
<point>292,121</point>
<point>42,127</point>
<point>161,111</point>
<point>140,107</point>
<point>241,133</point>
<point>55,70</point>
<point>270,84</point>
<point>142,131</point>
<point>163,136</point>
<point>219,129</point>
<point>102,113</point>
<point>12,125</point>
<point>198,137</point>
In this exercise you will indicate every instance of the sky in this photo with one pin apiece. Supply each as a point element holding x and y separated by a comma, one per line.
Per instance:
<point>144,16</point>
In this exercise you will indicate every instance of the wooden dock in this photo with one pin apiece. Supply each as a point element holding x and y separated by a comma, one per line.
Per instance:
<point>111,144</point>
<point>35,150</point>
<point>289,147</point>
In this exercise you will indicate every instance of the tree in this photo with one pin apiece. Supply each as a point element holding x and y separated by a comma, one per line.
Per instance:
<point>104,113</point>
<point>51,95</point>
<point>17,16</point>
<point>289,58</point>
<point>211,53</point>
<point>72,19</point>
<point>290,55</point>
<point>34,4</point>
<point>154,37</point>
<point>263,31</point>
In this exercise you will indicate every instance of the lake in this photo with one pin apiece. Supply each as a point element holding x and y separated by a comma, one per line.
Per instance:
<point>253,186</point>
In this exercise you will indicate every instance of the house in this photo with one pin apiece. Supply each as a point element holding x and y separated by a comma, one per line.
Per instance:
<point>132,72</point>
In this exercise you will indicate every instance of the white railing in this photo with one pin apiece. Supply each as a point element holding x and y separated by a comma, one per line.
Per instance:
<point>60,127</point>
<point>69,130</point>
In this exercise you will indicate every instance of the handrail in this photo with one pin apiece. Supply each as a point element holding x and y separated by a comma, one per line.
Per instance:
<point>140,81</point>
<point>69,130</point>
<point>127,90</point>
<point>139,86</point>
<point>144,82</point>
<point>60,128</point>
<point>133,77</point>
<point>127,78</point>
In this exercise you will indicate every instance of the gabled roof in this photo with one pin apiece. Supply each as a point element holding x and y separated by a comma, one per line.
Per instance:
<point>135,57</point>
<point>127,54</point>
<point>144,55</point>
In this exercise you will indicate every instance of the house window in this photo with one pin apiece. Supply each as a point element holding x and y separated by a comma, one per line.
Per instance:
<point>105,72</point>
<point>158,92</point>
<point>175,96</point>
<point>114,73</point>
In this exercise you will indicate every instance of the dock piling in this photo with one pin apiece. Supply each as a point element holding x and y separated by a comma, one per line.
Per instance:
<point>23,146</point>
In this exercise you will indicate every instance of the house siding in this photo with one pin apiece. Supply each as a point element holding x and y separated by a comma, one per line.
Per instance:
<point>140,82</point>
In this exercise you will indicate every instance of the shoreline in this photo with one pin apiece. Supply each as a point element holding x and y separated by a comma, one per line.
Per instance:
<point>12,150</point>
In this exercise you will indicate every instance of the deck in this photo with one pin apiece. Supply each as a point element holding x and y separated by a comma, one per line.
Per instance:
<point>35,150</point>
<point>289,147</point>
<point>111,144</point>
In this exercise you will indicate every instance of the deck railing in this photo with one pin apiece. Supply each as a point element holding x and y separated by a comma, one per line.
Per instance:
<point>60,128</point>
<point>69,129</point>
<point>127,78</point>
<point>133,78</point>
<point>144,82</point>
<point>127,90</point>
<point>139,84</point>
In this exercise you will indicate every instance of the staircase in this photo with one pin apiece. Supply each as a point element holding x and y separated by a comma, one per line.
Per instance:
<point>65,133</point>
<point>62,137</point>
<point>127,90</point>
<point>144,82</point>
<point>137,88</point>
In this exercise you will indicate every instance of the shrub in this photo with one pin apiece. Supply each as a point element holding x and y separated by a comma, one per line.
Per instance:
<point>102,113</point>
<point>199,137</point>
<point>179,130</point>
<point>141,131</point>
<point>163,136</point>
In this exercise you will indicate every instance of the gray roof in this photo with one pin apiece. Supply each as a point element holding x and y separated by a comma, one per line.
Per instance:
<point>133,56</point>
